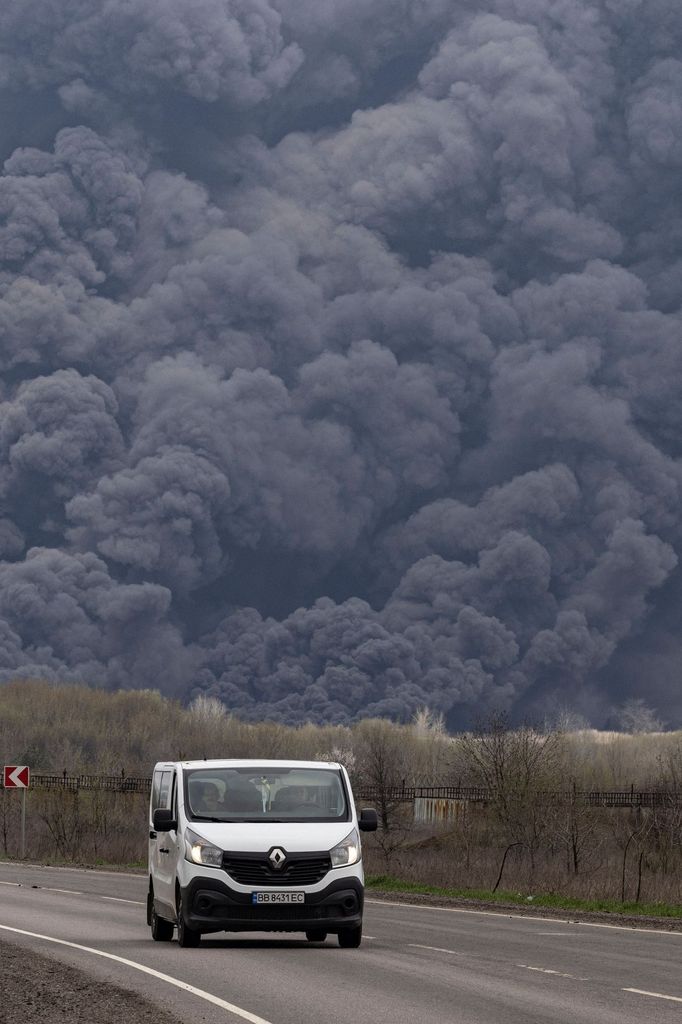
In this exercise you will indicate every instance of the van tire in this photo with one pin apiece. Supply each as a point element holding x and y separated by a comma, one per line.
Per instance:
<point>188,938</point>
<point>350,938</point>
<point>315,935</point>
<point>162,930</point>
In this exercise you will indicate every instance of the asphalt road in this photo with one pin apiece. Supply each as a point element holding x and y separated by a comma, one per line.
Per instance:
<point>434,965</point>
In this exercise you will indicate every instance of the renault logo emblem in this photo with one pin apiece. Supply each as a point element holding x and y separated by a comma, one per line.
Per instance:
<point>277,857</point>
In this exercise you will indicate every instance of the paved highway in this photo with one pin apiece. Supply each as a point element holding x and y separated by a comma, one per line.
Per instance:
<point>440,966</point>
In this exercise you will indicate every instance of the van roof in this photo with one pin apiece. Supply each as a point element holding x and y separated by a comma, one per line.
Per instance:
<point>245,762</point>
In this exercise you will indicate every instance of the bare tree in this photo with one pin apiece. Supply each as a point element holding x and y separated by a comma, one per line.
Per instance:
<point>61,813</point>
<point>639,832</point>
<point>575,826</point>
<point>383,765</point>
<point>431,747</point>
<point>517,766</point>
<point>636,716</point>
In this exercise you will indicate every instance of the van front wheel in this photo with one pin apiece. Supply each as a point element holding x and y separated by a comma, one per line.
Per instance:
<point>315,935</point>
<point>187,937</point>
<point>350,938</point>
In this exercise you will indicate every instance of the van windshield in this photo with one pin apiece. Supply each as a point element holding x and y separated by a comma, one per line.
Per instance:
<point>265,794</point>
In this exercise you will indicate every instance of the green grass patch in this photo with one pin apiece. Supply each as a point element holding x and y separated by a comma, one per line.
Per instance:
<point>387,883</point>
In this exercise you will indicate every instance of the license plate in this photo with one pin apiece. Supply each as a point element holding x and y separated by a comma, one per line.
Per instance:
<point>278,897</point>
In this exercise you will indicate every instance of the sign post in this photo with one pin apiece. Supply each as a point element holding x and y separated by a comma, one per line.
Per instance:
<point>18,776</point>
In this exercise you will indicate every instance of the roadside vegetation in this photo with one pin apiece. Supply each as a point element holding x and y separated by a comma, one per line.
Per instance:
<point>388,884</point>
<point>535,839</point>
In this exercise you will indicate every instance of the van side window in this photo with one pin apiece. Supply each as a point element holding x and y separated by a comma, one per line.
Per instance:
<point>156,789</point>
<point>163,798</point>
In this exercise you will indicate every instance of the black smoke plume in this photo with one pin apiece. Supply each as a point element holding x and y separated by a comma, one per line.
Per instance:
<point>341,353</point>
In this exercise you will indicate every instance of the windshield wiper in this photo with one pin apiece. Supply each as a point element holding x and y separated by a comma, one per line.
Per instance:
<point>241,821</point>
<point>254,821</point>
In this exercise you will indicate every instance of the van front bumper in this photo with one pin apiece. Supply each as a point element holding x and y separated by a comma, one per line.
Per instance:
<point>212,906</point>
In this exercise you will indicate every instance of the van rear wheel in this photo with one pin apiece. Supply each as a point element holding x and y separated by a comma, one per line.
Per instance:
<point>350,938</point>
<point>162,930</point>
<point>315,935</point>
<point>188,938</point>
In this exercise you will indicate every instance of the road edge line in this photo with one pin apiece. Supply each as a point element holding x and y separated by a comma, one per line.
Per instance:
<point>238,1011</point>
<point>525,917</point>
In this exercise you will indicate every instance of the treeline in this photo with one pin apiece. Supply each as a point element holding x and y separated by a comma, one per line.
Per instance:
<point>516,839</point>
<point>56,728</point>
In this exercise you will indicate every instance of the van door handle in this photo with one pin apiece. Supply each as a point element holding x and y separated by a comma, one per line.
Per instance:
<point>152,835</point>
<point>164,851</point>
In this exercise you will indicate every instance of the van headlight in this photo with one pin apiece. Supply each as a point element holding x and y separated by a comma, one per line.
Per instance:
<point>200,851</point>
<point>347,852</point>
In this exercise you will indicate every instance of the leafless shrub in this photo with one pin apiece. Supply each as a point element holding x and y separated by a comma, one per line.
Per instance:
<point>516,766</point>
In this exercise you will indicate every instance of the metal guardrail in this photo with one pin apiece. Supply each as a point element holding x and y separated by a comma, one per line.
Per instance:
<point>476,794</point>
<point>471,794</point>
<point>107,783</point>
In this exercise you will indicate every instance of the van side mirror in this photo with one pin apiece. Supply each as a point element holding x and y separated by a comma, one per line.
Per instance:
<point>368,821</point>
<point>163,820</point>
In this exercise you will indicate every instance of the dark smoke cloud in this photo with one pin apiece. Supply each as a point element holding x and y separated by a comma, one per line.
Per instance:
<point>64,616</point>
<point>206,49</point>
<point>340,352</point>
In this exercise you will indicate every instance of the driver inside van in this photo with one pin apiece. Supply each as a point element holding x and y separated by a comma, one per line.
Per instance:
<point>209,799</point>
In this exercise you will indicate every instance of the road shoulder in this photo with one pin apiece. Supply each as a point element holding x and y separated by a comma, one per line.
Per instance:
<point>669,924</point>
<point>37,989</point>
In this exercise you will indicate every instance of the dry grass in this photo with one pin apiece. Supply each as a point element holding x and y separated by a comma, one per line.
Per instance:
<point>469,856</point>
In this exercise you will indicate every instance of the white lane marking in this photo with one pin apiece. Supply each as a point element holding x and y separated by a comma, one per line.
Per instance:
<point>547,970</point>
<point>113,899</point>
<point>654,995</point>
<point>62,867</point>
<point>436,949</point>
<point>524,917</point>
<point>208,996</point>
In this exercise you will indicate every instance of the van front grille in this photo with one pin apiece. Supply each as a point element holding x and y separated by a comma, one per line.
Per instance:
<point>255,869</point>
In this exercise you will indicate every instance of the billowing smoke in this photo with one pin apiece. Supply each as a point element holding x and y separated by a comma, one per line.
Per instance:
<point>341,353</point>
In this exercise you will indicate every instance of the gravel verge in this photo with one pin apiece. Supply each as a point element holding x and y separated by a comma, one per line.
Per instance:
<point>39,990</point>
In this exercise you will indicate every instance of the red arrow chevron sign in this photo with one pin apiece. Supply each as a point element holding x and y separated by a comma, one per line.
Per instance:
<point>16,776</point>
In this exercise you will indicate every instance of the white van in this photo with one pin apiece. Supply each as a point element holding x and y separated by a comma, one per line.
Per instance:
<point>255,846</point>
